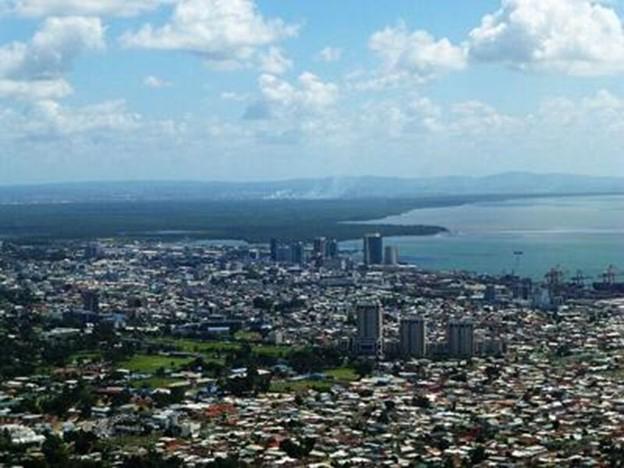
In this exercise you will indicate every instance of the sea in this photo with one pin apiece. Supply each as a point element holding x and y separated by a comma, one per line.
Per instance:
<point>526,236</point>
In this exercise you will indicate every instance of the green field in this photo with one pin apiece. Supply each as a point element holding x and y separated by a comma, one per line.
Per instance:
<point>149,364</point>
<point>220,348</point>
<point>341,375</point>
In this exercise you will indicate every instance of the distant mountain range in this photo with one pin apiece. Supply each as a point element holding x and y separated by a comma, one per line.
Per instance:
<point>327,188</point>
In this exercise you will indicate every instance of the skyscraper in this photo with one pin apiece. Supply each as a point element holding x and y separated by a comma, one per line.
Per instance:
<point>369,339</point>
<point>274,246</point>
<point>298,253</point>
<point>320,247</point>
<point>373,249</point>
<point>332,248</point>
<point>413,337</point>
<point>391,255</point>
<point>460,338</point>
<point>91,301</point>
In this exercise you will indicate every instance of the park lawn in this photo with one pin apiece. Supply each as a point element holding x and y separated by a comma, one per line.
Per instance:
<point>149,364</point>
<point>247,336</point>
<point>225,347</point>
<point>299,386</point>
<point>154,382</point>
<point>85,356</point>
<point>343,374</point>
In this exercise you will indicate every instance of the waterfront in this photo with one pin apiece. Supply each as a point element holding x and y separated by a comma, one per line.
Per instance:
<point>577,233</point>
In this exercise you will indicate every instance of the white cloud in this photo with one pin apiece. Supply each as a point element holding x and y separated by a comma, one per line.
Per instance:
<point>50,117</point>
<point>155,82</point>
<point>275,62</point>
<point>42,8</point>
<point>414,56</point>
<point>330,54</point>
<point>578,37</point>
<point>310,94</point>
<point>225,33</point>
<point>34,90</point>
<point>35,70</point>
<point>52,49</point>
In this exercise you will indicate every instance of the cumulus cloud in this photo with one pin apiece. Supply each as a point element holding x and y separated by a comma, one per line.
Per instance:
<point>578,37</point>
<point>309,95</point>
<point>330,54</point>
<point>412,55</point>
<point>274,61</point>
<point>50,117</point>
<point>35,69</point>
<point>155,82</point>
<point>42,8</point>
<point>34,90</point>
<point>225,33</point>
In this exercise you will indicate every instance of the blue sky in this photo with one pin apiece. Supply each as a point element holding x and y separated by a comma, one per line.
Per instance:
<point>273,89</point>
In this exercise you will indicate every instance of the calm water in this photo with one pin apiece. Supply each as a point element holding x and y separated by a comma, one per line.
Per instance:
<point>580,233</point>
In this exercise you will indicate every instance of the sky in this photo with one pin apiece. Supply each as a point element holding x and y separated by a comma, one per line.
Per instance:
<point>272,89</point>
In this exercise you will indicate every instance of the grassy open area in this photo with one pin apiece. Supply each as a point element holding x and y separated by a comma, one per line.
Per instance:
<point>154,382</point>
<point>219,348</point>
<point>340,375</point>
<point>343,374</point>
<point>298,386</point>
<point>149,364</point>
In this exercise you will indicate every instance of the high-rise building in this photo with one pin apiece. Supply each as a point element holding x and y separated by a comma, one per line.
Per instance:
<point>298,253</point>
<point>413,337</point>
<point>460,338</point>
<point>369,339</point>
<point>332,248</point>
<point>274,246</point>
<point>91,300</point>
<point>373,249</point>
<point>93,251</point>
<point>391,255</point>
<point>320,247</point>
<point>284,254</point>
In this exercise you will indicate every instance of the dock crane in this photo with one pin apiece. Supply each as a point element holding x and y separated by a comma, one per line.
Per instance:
<point>609,282</point>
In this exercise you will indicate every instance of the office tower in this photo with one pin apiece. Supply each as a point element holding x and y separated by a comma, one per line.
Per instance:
<point>332,248</point>
<point>93,250</point>
<point>391,255</point>
<point>413,337</point>
<point>373,249</point>
<point>369,339</point>
<point>460,338</point>
<point>298,253</point>
<point>274,246</point>
<point>91,301</point>
<point>284,254</point>
<point>489,295</point>
<point>320,247</point>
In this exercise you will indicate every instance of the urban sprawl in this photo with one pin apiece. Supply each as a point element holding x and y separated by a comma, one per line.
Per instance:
<point>167,354</point>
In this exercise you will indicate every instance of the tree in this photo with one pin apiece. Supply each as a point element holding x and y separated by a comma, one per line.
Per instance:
<point>363,367</point>
<point>55,451</point>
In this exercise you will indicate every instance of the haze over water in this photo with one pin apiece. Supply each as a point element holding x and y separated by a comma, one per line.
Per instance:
<point>576,233</point>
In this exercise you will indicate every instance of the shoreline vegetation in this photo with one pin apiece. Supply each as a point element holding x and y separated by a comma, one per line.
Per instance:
<point>253,221</point>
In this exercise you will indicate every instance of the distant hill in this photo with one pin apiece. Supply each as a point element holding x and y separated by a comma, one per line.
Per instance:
<point>313,189</point>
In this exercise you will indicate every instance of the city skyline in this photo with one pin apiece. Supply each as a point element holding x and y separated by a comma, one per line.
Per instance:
<point>264,90</point>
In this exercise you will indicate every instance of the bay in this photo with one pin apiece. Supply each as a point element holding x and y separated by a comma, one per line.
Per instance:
<point>574,233</point>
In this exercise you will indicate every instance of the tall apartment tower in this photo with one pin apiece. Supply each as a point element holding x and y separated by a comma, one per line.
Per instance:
<point>413,337</point>
<point>373,249</point>
<point>369,339</point>
<point>460,338</point>
<point>320,247</point>
<point>91,300</point>
<point>391,255</point>
<point>298,253</point>
<point>274,245</point>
